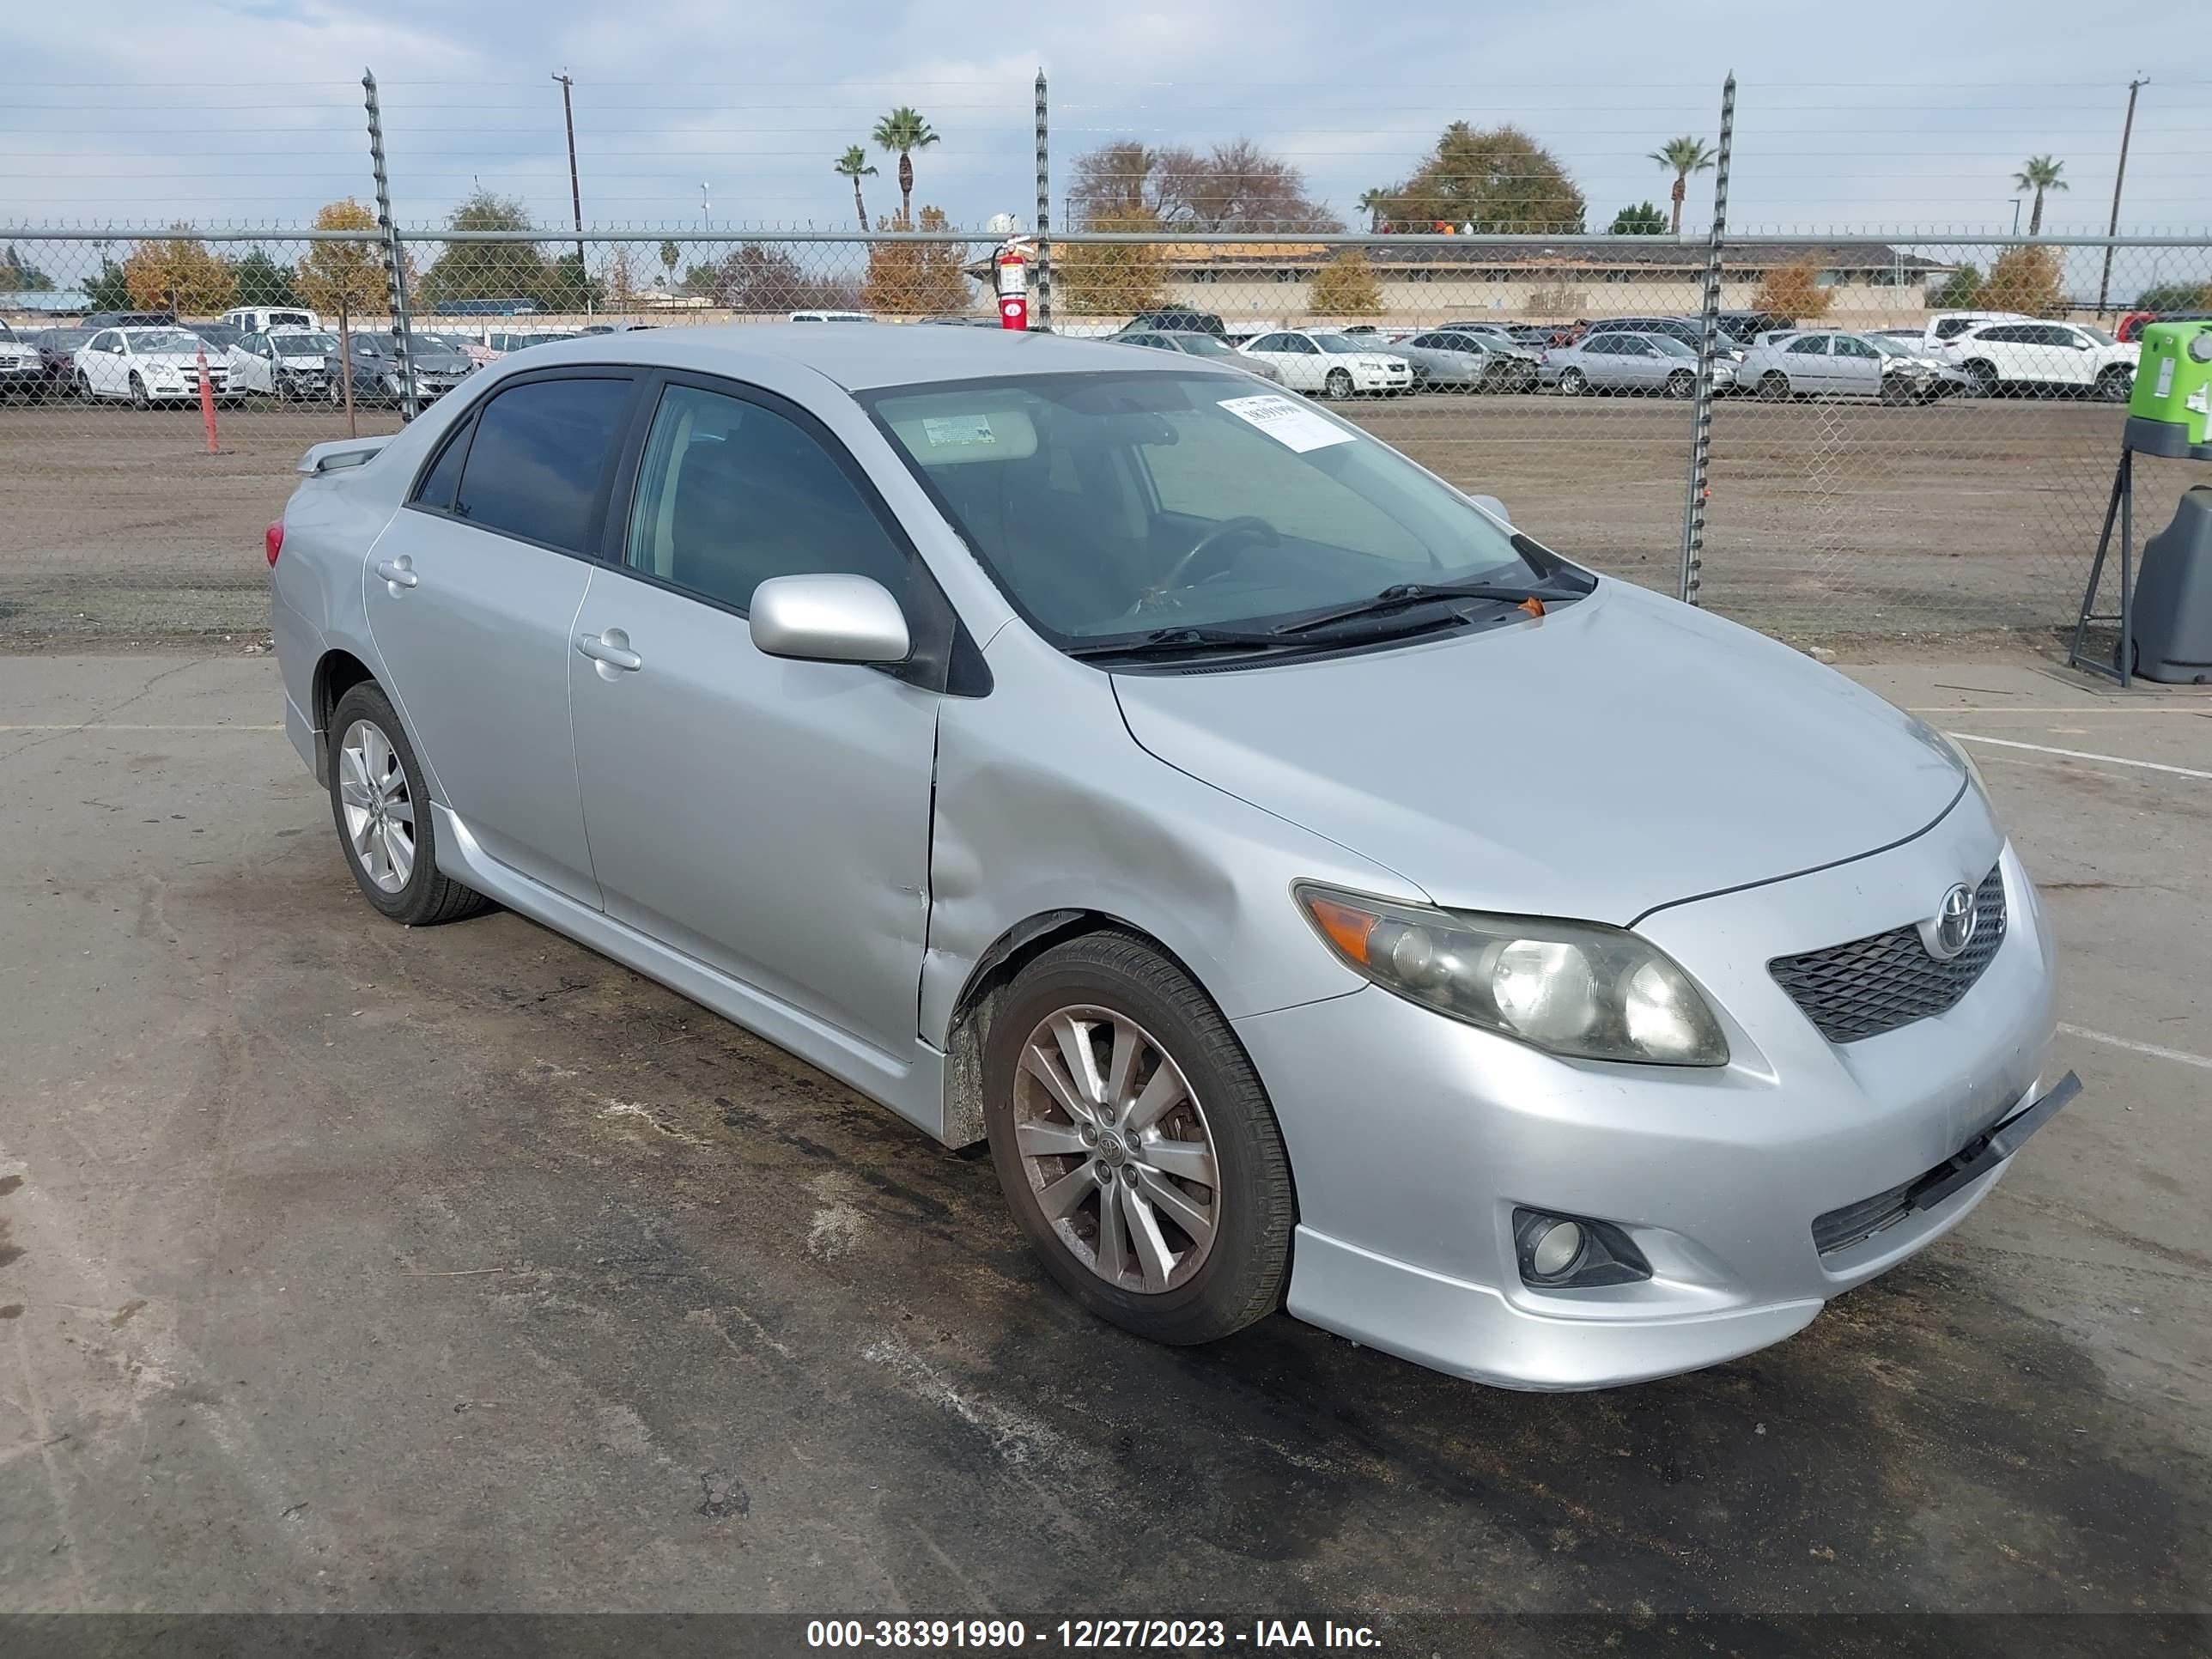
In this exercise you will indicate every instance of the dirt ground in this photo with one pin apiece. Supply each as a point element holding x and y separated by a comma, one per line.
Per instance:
<point>348,1268</point>
<point>1826,521</point>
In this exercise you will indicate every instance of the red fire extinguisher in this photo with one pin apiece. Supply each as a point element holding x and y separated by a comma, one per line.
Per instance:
<point>1013,281</point>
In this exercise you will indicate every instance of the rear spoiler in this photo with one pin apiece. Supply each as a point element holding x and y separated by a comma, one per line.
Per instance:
<point>341,453</point>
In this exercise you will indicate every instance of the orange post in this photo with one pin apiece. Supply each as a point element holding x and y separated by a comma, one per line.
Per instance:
<point>207,402</point>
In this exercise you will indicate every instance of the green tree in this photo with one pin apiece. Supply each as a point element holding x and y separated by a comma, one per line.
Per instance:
<point>1373,203</point>
<point>19,276</point>
<point>1345,287</point>
<point>109,290</point>
<point>2038,174</point>
<point>1684,156</point>
<point>2175,296</point>
<point>575,289</point>
<point>493,271</point>
<point>261,280</point>
<point>854,164</point>
<point>1960,291</point>
<point>1496,179</point>
<point>900,133</point>
<point>1642,220</point>
<point>669,254</point>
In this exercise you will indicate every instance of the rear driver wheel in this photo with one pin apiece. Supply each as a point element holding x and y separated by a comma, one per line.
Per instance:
<point>383,816</point>
<point>1135,1145</point>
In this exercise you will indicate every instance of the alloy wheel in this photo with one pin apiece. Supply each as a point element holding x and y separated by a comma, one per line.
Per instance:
<point>378,806</point>
<point>1117,1149</point>
<point>1574,383</point>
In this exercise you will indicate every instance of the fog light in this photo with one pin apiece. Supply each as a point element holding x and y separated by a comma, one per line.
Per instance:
<point>1560,1252</point>
<point>1558,1244</point>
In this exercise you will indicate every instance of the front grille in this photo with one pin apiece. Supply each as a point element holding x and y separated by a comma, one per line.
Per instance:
<point>1873,985</point>
<point>1839,1229</point>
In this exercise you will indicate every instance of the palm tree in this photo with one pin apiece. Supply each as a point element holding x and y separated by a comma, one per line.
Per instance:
<point>854,164</point>
<point>1373,203</point>
<point>2038,174</point>
<point>900,133</point>
<point>1686,155</point>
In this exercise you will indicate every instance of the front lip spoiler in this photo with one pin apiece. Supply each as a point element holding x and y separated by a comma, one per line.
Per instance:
<point>1991,1147</point>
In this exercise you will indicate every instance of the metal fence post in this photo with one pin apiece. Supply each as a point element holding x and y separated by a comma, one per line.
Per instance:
<point>1701,441</point>
<point>1043,287</point>
<point>395,256</point>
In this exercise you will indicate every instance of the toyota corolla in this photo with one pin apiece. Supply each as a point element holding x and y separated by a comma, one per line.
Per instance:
<point>1319,894</point>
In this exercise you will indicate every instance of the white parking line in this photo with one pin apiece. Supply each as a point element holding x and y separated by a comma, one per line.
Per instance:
<point>2179,1055</point>
<point>118,725</point>
<point>2201,709</point>
<point>2083,754</point>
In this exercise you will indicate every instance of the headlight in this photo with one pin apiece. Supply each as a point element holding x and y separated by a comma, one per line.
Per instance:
<point>1578,988</point>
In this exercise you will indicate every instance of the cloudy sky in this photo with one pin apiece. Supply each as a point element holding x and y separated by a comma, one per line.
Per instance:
<point>1874,116</point>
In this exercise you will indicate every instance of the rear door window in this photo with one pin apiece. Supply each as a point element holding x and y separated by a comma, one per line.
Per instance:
<point>540,457</point>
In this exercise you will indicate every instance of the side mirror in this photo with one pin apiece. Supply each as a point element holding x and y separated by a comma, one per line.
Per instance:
<point>829,618</point>
<point>1492,505</point>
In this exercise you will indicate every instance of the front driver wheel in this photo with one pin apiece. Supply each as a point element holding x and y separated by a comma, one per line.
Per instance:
<point>1681,384</point>
<point>1135,1145</point>
<point>1574,383</point>
<point>383,816</point>
<point>1339,383</point>
<point>2115,384</point>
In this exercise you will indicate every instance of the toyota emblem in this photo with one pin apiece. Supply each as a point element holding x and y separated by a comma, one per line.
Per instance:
<point>1952,928</point>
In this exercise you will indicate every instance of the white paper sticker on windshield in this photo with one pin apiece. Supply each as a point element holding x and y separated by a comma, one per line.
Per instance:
<point>958,431</point>
<point>1287,422</point>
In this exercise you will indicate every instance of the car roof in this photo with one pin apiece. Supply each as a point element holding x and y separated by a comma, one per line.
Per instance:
<point>858,360</point>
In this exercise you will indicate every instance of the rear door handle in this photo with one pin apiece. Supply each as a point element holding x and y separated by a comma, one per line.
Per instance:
<point>611,649</point>
<point>399,572</point>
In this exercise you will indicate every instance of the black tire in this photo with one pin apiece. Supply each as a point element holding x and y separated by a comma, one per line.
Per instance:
<point>1897,391</point>
<point>84,387</point>
<point>1681,384</point>
<point>427,896</point>
<point>1983,379</point>
<point>2115,384</point>
<point>1243,1277</point>
<point>1573,383</point>
<point>1773,386</point>
<point>138,397</point>
<point>1338,384</point>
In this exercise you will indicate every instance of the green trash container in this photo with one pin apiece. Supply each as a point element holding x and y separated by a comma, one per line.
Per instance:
<point>2170,413</point>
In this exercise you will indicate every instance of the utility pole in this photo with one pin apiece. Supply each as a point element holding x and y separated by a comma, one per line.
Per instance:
<point>2016,215</point>
<point>575,192</point>
<point>2119,177</point>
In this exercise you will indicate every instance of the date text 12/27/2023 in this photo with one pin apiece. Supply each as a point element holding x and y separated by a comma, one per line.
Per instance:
<point>1086,1635</point>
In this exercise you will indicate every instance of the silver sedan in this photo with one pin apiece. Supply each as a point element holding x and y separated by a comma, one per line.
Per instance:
<point>1450,360</point>
<point>1835,363</point>
<point>1068,747</point>
<point>1654,365</point>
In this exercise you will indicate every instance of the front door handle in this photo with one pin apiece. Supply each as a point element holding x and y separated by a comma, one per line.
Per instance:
<point>610,650</point>
<point>400,573</point>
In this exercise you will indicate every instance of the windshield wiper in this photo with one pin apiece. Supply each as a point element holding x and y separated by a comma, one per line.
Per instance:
<point>1399,596</point>
<point>1173,641</point>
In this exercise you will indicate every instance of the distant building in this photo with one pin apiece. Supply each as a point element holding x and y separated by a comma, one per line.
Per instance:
<point>45,301</point>
<point>1521,276</point>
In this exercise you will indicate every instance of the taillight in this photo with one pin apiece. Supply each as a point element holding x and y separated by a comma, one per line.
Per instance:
<point>273,539</point>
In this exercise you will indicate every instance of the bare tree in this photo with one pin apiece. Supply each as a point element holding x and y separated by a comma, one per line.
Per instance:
<point>1233,186</point>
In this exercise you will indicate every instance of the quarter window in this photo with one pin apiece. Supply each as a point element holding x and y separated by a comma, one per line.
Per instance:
<point>729,494</point>
<point>436,490</point>
<point>541,450</point>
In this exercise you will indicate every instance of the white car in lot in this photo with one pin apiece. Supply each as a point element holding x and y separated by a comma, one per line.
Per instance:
<point>291,362</point>
<point>1334,365</point>
<point>1836,364</point>
<point>147,366</point>
<point>2042,360</point>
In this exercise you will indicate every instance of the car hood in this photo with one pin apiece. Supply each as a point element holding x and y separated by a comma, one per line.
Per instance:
<point>1623,753</point>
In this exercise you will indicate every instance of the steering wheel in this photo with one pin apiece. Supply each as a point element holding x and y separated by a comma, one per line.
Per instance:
<point>1227,530</point>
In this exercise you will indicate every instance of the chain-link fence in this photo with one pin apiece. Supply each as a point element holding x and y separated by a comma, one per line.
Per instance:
<point>1908,438</point>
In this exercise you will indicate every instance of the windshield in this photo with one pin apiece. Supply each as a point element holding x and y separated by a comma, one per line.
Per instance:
<point>1343,345</point>
<point>303,345</point>
<point>2096,334</point>
<point>164,339</point>
<point>1203,345</point>
<point>1671,346</point>
<point>1108,506</point>
<point>1888,347</point>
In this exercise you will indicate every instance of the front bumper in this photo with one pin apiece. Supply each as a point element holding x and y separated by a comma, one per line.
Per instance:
<point>1413,1138</point>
